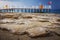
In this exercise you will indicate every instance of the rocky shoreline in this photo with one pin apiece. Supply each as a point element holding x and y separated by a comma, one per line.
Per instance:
<point>32,25</point>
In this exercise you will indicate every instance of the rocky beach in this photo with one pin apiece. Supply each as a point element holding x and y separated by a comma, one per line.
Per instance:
<point>29,26</point>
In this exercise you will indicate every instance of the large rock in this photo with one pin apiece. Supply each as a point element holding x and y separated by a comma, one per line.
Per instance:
<point>7,20</point>
<point>13,28</point>
<point>22,21</point>
<point>16,28</point>
<point>37,31</point>
<point>41,23</point>
<point>11,15</point>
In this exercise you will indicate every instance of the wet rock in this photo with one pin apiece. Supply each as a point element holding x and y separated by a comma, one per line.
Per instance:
<point>8,15</point>
<point>27,17</point>
<point>6,20</point>
<point>56,31</point>
<point>43,20</point>
<point>18,29</point>
<point>22,21</point>
<point>13,16</point>
<point>58,20</point>
<point>37,31</point>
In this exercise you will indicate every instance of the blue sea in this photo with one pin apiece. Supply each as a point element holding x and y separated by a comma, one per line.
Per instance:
<point>55,11</point>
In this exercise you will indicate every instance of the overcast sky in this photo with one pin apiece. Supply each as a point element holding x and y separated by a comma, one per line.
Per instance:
<point>29,3</point>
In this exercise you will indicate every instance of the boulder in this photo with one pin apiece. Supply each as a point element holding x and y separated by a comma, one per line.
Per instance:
<point>18,29</point>
<point>37,31</point>
<point>6,20</point>
<point>58,20</point>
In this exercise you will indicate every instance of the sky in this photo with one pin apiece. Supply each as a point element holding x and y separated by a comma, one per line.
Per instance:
<point>29,3</point>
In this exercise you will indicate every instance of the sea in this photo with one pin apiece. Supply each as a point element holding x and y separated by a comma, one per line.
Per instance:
<point>55,11</point>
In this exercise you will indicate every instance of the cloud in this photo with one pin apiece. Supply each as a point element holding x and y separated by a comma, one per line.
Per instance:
<point>18,5</point>
<point>14,4</point>
<point>11,4</point>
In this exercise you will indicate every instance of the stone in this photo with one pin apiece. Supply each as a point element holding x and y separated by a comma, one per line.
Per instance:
<point>6,20</point>
<point>18,29</point>
<point>37,31</point>
<point>58,20</point>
